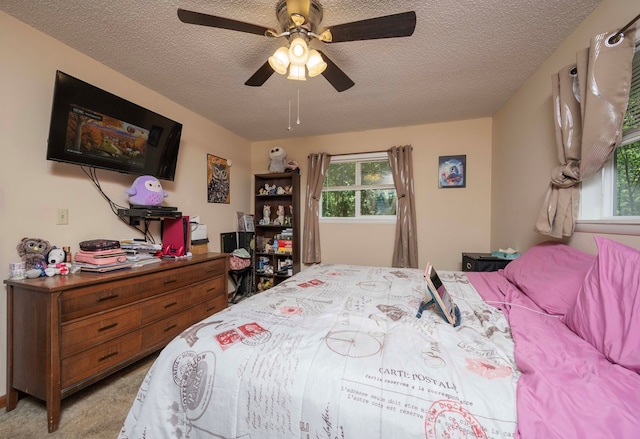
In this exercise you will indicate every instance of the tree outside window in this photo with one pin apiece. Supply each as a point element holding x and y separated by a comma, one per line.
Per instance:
<point>359,187</point>
<point>627,156</point>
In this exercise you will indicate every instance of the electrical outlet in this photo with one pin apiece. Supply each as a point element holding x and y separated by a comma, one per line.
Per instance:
<point>62,216</point>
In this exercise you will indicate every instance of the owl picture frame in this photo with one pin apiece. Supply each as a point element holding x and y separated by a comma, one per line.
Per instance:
<point>218,180</point>
<point>452,171</point>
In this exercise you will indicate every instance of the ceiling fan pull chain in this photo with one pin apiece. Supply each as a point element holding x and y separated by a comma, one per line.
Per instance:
<point>289,127</point>
<point>298,121</point>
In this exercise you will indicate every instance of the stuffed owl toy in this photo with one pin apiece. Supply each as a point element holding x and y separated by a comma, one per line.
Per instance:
<point>33,252</point>
<point>278,158</point>
<point>146,191</point>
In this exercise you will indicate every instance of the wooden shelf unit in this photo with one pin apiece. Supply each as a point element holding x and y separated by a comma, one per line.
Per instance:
<point>68,332</point>
<point>266,232</point>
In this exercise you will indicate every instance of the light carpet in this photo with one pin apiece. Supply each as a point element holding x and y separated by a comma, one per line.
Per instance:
<point>96,412</point>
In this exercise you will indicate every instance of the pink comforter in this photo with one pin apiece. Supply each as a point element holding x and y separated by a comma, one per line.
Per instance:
<point>567,388</point>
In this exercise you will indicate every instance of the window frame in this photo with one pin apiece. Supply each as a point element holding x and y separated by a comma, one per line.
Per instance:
<point>359,158</point>
<point>597,195</point>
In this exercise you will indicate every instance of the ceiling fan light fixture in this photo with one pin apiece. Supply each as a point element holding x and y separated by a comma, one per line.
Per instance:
<point>298,51</point>
<point>297,73</point>
<point>279,61</point>
<point>315,64</point>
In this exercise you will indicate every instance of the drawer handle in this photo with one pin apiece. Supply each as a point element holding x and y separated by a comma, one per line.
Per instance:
<point>170,328</point>
<point>105,298</point>
<point>212,289</point>
<point>170,281</point>
<point>211,268</point>
<point>109,355</point>
<point>104,328</point>
<point>169,305</point>
<point>213,308</point>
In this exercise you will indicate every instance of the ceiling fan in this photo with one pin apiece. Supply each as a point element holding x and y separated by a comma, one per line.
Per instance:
<point>299,22</point>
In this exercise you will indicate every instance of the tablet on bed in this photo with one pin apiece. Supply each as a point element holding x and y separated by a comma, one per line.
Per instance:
<point>438,294</point>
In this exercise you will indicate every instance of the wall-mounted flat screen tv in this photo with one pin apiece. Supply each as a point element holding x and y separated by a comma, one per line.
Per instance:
<point>92,127</point>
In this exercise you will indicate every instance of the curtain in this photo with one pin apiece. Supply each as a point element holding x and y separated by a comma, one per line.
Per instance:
<point>318,165</point>
<point>405,249</point>
<point>589,102</point>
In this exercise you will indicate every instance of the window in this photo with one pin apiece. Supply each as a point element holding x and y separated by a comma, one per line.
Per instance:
<point>613,195</point>
<point>359,188</point>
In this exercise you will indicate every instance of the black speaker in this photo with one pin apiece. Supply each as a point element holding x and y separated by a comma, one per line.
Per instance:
<point>228,242</point>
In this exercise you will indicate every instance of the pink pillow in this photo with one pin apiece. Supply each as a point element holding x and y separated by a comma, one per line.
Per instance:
<point>550,274</point>
<point>608,305</point>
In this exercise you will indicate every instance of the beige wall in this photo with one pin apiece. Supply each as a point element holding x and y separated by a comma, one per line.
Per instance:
<point>31,188</point>
<point>524,141</point>
<point>450,221</point>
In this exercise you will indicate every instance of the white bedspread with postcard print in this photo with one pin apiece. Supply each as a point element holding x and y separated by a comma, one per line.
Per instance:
<point>335,352</point>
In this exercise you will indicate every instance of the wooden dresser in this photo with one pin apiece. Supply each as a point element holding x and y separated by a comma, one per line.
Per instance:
<point>67,332</point>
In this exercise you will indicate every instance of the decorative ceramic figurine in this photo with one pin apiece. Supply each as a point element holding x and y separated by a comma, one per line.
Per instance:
<point>266,214</point>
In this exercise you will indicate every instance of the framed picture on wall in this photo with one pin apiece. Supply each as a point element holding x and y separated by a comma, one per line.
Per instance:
<point>218,187</point>
<point>452,171</point>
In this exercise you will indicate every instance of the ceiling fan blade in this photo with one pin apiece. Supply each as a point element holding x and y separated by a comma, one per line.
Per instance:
<point>260,76</point>
<point>192,17</point>
<point>336,77</point>
<point>300,8</point>
<point>388,26</point>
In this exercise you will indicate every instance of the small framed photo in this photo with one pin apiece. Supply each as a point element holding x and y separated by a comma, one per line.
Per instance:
<point>452,171</point>
<point>248,223</point>
<point>245,222</point>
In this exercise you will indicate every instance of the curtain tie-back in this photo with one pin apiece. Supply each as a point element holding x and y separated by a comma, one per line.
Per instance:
<point>566,175</point>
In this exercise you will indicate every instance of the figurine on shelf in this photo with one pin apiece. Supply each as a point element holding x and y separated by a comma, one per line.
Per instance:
<point>266,214</point>
<point>280,213</point>
<point>280,191</point>
<point>269,190</point>
<point>288,189</point>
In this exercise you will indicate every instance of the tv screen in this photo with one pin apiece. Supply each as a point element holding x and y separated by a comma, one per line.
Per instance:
<point>92,127</point>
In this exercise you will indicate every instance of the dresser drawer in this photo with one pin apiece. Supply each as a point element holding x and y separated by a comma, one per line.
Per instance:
<point>205,309</point>
<point>209,269</point>
<point>209,289</point>
<point>85,333</point>
<point>210,307</point>
<point>85,364</point>
<point>165,305</point>
<point>163,331</point>
<point>81,302</point>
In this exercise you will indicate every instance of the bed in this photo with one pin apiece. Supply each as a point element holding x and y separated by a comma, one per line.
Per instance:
<point>337,352</point>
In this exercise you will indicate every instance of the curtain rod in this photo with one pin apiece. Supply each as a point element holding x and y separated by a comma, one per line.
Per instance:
<point>615,38</point>
<point>361,152</point>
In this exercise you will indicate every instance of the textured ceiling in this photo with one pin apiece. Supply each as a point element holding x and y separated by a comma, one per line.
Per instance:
<point>465,59</point>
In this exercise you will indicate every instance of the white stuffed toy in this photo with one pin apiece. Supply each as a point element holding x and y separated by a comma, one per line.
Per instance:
<point>56,263</point>
<point>278,162</point>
